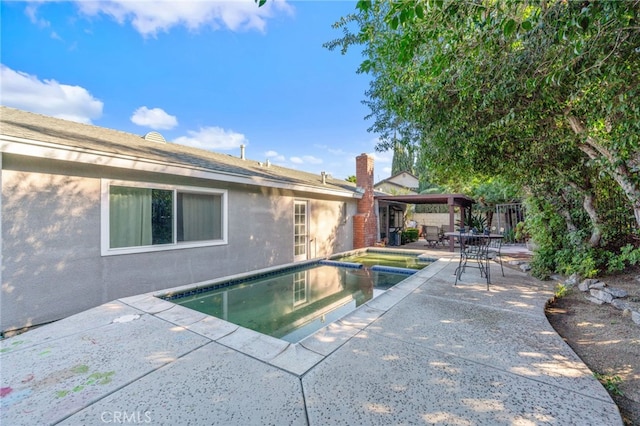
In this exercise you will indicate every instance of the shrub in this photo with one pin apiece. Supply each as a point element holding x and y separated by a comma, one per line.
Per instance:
<point>629,255</point>
<point>410,235</point>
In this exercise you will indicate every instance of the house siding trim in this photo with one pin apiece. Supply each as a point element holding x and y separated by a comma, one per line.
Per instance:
<point>32,148</point>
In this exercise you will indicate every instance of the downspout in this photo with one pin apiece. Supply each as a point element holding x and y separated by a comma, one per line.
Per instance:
<point>376,208</point>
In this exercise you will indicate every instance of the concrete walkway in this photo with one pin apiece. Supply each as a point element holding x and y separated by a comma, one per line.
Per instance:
<point>425,352</point>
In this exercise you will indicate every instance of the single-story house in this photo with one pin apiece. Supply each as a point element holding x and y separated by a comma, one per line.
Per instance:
<point>401,183</point>
<point>90,214</point>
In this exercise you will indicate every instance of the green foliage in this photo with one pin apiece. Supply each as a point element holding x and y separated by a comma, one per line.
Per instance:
<point>479,222</point>
<point>629,255</point>
<point>410,235</point>
<point>432,208</point>
<point>610,383</point>
<point>568,252</point>
<point>561,290</point>
<point>541,94</point>
<point>520,233</point>
<point>403,160</point>
<point>476,221</point>
<point>509,236</point>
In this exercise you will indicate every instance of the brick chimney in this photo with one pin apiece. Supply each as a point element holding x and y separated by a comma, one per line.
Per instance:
<point>365,226</point>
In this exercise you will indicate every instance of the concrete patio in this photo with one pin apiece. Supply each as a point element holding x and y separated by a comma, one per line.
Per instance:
<point>425,352</point>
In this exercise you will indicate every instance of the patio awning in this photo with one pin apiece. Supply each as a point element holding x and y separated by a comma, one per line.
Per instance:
<point>449,199</point>
<point>452,200</point>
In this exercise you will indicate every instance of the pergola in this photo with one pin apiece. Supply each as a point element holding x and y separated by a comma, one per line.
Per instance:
<point>452,200</point>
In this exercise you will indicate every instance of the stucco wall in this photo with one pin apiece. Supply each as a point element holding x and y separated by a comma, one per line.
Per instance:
<point>434,219</point>
<point>52,266</point>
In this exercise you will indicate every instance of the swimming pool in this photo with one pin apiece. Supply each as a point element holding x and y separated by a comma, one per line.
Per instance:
<point>410,259</point>
<point>293,303</point>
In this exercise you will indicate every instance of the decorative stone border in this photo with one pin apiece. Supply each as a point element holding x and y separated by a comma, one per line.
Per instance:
<point>600,293</point>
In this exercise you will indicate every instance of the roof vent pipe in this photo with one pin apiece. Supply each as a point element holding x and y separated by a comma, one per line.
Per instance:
<point>324,178</point>
<point>242,152</point>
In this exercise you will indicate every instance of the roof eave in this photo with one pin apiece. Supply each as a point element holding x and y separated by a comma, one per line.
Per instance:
<point>52,151</point>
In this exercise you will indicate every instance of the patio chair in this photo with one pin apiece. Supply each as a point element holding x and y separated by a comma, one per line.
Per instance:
<point>474,248</point>
<point>432,235</point>
<point>495,244</point>
<point>443,229</point>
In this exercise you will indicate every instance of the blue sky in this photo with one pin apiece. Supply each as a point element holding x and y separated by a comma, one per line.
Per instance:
<point>212,74</point>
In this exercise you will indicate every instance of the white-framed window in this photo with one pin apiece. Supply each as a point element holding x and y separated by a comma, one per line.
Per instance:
<point>142,217</point>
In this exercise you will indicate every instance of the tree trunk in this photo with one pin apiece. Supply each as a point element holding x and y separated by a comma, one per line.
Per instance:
<point>596,232</point>
<point>589,207</point>
<point>489,218</point>
<point>566,214</point>
<point>618,169</point>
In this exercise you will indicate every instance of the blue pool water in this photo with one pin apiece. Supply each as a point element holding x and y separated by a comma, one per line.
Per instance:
<point>294,303</point>
<point>391,258</point>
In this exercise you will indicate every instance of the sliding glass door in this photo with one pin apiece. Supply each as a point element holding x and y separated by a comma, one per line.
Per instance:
<point>300,230</point>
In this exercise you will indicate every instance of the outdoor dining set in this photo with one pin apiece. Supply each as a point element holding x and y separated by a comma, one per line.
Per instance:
<point>477,249</point>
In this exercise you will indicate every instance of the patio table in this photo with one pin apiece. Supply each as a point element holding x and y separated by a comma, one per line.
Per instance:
<point>474,246</point>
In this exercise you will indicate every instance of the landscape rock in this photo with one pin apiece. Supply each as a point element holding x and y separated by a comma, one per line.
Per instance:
<point>594,300</point>
<point>572,280</point>
<point>620,304</point>
<point>525,267</point>
<point>583,286</point>
<point>599,292</point>
<point>616,292</point>
<point>590,283</point>
<point>601,295</point>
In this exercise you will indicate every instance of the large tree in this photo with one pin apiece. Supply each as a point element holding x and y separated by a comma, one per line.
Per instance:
<point>403,160</point>
<point>532,91</point>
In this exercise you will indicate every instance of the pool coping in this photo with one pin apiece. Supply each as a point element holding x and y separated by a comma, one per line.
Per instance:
<point>442,353</point>
<point>295,358</point>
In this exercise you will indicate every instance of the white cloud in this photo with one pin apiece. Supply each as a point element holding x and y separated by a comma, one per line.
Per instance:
<point>382,157</point>
<point>31,12</point>
<point>155,118</point>
<point>149,17</point>
<point>305,159</point>
<point>275,156</point>
<point>339,152</point>
<point>310,159</point>
<point>213,139</point>
<point>27,92</point>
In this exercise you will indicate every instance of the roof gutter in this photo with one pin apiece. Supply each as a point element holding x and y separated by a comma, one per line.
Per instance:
<point>32,148</point>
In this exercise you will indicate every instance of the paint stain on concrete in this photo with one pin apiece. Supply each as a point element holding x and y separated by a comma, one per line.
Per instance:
<point>12,347</point>
<point>126,318</point>
<point>13,397</point>
<point>97,378</point>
